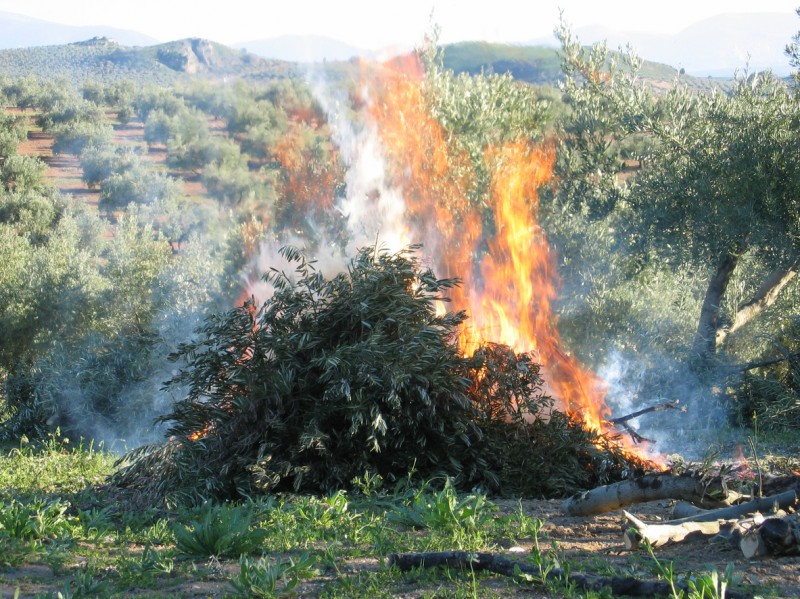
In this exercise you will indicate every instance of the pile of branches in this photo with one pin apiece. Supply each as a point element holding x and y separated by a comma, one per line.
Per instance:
<point>332,379</point>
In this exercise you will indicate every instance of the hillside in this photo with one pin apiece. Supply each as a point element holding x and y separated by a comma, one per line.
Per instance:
<point>105,60</point>
<point>541,65</point>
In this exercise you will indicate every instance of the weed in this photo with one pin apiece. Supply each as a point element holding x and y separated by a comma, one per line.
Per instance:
<point>703,586</point>
<point>218,530</point>
<point>142,570</point>
<point>264,578</point>
<point>37,520</point>
<point>444,510</point>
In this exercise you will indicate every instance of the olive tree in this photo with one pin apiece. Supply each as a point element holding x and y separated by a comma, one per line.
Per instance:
<point>716,191</point>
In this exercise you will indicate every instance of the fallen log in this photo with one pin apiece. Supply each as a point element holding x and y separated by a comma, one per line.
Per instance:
<point>690,487</point>
<point>773,537</point>
<point>705,523</point>
<point>684,509</point>
<point>490,562</point>
<point>781,501</point>
<point>659,534</point>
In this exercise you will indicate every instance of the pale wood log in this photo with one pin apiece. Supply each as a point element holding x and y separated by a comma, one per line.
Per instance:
<point>684,509</point>
<point>781,501</point>
<point>650,487</point>
<point>498,564</point>
<point>705,523</point>
<point>660,534</point>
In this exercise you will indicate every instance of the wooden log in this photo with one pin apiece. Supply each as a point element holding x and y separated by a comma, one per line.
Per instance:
<point>650,487</point>
<point>707,522</point>
<point>658,534</point>
<point>781,501</point>
<point>684,509</point>
<point>498,564</point>
<point>774,536</point>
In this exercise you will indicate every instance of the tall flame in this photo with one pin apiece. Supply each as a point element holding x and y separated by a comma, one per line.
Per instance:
<point>507,267</point>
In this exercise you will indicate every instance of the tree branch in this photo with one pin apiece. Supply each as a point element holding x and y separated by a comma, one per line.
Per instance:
<point>766,295</point>
<point>501,565</point>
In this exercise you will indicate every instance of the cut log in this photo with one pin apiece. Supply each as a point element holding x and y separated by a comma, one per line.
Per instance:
<point>774,536</point>
<point>781,501</point>
<point>684,509</point>
<point>658,534</point>
<point>707,522</point>
<point>650,487</point>
<point>498,564</point>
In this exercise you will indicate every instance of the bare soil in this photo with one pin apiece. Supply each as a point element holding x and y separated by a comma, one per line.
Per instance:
<point>64,170</point>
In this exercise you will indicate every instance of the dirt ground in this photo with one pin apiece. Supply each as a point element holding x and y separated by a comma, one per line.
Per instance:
<point>64,170</point>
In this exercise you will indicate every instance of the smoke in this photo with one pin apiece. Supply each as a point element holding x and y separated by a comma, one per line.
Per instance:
<point>634,383</point>
<point>375,210</point>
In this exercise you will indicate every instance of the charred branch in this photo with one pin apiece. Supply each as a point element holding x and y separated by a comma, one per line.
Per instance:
<point>498,564</point>
<point>623,420</point>
<point>669,405</point>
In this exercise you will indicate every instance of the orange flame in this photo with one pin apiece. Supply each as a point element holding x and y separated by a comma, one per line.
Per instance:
<point>509,272</point>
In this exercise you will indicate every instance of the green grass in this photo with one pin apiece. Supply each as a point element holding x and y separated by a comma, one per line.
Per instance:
<point>63,534</point>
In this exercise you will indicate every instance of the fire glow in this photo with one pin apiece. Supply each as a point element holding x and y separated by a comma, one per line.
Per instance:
<point>509,278</point>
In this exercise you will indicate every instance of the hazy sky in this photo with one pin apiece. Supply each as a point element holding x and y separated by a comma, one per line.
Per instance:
<point>377,23</point>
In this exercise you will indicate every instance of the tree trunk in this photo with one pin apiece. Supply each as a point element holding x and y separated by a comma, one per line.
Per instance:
<point>705,340</point>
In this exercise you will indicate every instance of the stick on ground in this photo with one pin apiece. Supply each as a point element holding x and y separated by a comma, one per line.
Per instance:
<point>498,564</point>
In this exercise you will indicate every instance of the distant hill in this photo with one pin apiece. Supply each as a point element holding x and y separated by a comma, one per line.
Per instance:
<point>534,64</point>
<point>717,46</point>
<point>103,59</point>
<point>541,64</point>
<point>17,31</point>
<point>304,48</point>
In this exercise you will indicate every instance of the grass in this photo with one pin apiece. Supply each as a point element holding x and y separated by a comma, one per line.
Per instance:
<point>62,536</point>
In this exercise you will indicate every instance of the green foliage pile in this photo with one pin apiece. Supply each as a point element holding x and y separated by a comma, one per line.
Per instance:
<point>356,376</point>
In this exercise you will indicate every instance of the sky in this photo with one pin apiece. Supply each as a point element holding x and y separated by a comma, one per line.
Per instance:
<point>375,24</point>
